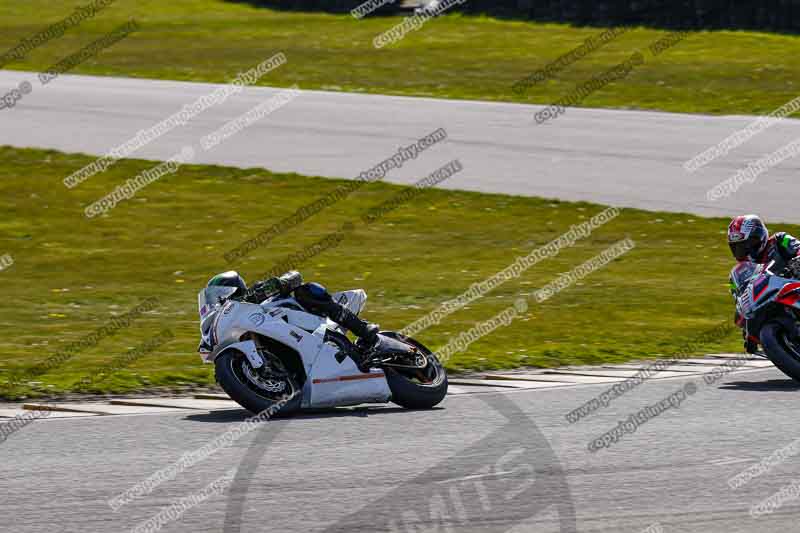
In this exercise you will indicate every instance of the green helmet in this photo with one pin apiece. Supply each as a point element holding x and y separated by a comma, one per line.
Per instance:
<point>229,279</point>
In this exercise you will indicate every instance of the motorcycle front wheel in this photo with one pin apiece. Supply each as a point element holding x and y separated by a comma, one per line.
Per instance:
<point>782,349</point>
<point>278,395</point>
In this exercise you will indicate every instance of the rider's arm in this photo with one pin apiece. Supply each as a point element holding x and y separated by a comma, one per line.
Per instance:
<point>788,245</point>
<point>283,285</point>
<point>261,290</point>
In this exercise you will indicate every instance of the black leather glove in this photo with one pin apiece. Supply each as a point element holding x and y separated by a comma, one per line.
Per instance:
<point>793,268</point>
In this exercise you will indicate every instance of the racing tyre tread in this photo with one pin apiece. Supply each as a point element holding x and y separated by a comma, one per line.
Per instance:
<point>777,353</point>
<point>410,395</point>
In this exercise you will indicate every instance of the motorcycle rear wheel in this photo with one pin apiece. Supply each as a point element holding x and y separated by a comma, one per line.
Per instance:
<point>415,389</point>
<point>783,351</point>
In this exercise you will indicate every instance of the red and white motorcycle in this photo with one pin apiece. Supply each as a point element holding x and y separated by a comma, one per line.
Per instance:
<point>769,303</point>
<point>268,352</point>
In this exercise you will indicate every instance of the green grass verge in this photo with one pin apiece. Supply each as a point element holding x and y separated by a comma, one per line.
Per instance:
<point>72,275</point>
<point>451,57</point>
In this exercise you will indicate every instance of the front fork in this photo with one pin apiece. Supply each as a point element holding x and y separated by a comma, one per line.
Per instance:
<point>789,320</point>
<point>248,348</point>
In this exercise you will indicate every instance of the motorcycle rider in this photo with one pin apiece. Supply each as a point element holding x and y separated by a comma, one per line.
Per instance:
<point>750,240</point>
<point>312,296</point>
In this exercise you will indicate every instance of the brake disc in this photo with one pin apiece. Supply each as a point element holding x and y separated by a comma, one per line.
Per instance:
<point>262,382</point>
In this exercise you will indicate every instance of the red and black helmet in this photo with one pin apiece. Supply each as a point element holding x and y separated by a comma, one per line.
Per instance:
<point>747,237</point>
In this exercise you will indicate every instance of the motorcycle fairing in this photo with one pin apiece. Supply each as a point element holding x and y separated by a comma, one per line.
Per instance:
<point>328,381</point>
<point>790,295</point>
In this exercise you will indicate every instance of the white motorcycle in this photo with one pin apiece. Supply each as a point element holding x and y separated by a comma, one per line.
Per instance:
<point>268,352</point>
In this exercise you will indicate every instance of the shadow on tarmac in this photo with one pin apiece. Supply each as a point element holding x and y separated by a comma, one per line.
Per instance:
<point>771,385</point>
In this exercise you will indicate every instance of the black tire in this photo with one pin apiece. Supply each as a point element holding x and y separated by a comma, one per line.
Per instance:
<point>410,394</point>
<point>781,351</point>
<point>228,368</point>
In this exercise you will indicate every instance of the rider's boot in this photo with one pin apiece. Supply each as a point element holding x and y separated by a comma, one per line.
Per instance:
<point>366,332</point>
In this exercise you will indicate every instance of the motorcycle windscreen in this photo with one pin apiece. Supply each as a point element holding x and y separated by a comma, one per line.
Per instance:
<point>744,272</point>
<point>210,299</point>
